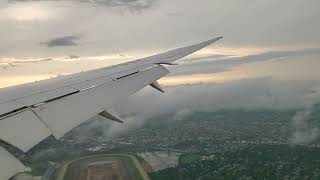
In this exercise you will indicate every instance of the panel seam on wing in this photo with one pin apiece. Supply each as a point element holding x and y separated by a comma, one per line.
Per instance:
<point>40,119</point>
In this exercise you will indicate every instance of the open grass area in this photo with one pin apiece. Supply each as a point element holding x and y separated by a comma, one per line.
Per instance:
<point>188,158</point>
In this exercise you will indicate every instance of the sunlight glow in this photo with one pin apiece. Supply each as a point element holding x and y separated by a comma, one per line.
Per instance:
<point>28,12</point>
<point>207,78</point>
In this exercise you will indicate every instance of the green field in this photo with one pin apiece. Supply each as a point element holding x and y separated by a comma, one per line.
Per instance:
<point>189,158</point>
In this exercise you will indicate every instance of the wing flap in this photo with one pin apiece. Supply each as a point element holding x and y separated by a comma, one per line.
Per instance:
<point>23,130</point>
<point>66,113</point>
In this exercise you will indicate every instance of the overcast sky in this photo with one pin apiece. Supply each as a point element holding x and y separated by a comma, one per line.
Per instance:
<point>62,27</point>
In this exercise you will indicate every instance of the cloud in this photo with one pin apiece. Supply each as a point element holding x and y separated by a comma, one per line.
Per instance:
<point>110,29</point>
<point>63,41</point>
<point>260,93</point>
<point>214,64</point>
<point>9,63</point>
<point>181,114</point>
<point>131,4</point>
<point>304,131</point>
<point>25,13</point>
<point>181,101</point>
<point>32,61</point>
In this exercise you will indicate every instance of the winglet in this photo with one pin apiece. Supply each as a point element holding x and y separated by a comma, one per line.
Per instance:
<point>157,86</point>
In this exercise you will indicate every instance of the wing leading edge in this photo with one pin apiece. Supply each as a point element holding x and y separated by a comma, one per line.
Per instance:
<point>55,106</point>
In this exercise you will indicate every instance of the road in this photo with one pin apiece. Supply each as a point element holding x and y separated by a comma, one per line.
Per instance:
<point>50,172</point>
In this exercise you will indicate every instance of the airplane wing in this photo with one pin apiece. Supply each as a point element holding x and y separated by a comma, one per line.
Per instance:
<point>31,112</point>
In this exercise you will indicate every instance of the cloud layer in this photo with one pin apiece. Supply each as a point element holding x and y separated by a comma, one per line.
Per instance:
<point>63,41</point>
<point>304,132</point>
<point>110,26</point>
<point>181,101</point>
<point>131,4</point>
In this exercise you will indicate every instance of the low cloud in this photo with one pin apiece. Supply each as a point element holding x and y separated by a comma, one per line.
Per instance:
<point>131,4</point>
<point>250,94</point>
<point>181,101</point>
<point>304,131</point>
<point>6,64</point>
<point>216,64</point>
<point>63,41</point>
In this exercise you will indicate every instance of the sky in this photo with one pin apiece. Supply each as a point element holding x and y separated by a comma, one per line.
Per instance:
<point>268,58</point>
<point>67,36</point>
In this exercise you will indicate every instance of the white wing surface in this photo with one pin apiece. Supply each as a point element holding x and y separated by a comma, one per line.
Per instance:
<point>31,112</point>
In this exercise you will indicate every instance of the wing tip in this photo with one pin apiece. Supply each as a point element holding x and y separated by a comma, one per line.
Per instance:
<point>215,39</point>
